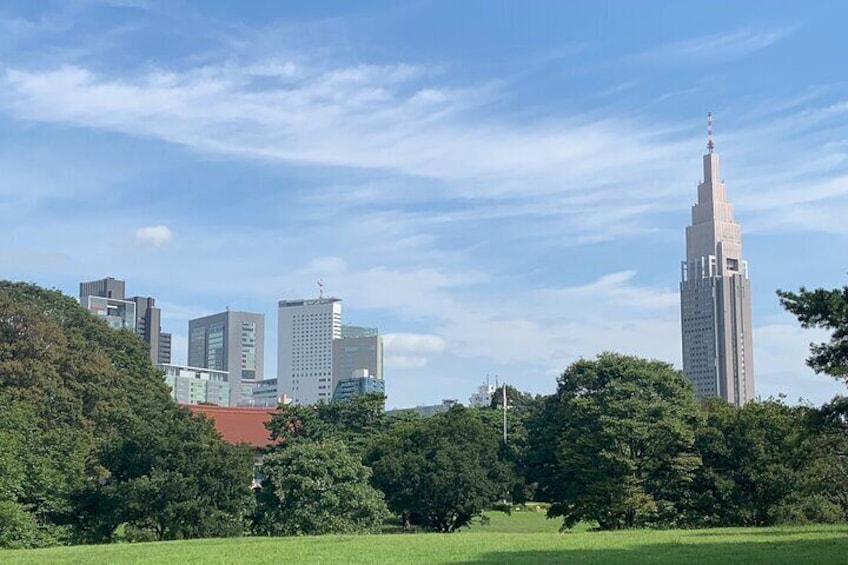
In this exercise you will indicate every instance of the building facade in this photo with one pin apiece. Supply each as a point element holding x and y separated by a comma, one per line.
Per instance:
<point>107,298</point>
<point>260,393</point>
<point>352,354</point>
<point>715,296</point>
<point>149,327</point>
<point>306,331</point>
<point>196,385</point>
<point>229,341</point>
<point>118,313</point>
<point>483,397</point>
<point>357,383</point>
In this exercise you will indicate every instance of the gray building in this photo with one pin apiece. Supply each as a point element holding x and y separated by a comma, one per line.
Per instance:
<point>148,325</point>
<point>715,296</point>
<point>107,298</point>
<point>229,341</point>
<point>353,354</point>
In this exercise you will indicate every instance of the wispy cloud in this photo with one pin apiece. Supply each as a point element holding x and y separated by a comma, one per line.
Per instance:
<point>714,48</point>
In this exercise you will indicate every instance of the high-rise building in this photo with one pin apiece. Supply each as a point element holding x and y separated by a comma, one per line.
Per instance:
<point>107,298</point>
<point>363,352</point>
<point>715,295</point>
<point>106,288</point>
<point>229,341</point>
<point>148,326</point>
<point>305,337</point>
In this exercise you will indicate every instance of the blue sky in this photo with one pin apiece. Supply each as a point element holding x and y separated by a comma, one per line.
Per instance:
<point>500,187</point>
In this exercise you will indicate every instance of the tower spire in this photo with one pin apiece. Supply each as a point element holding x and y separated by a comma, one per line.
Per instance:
<point>710,144</point>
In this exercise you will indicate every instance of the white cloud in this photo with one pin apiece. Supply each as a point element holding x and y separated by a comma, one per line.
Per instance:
<point>403,362</point>
<point>715,48</point>
<point>156,236</point>
<point>400,343</point>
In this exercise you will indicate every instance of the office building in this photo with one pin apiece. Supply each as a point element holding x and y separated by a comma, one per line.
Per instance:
<point>118,313</point>
<point>358,331</point>
<point>107,298</point>
<point>352,354</point>
<point>148,325</point>
<point>357,383</point>
<point>260,393</point>
<point>197,385</point>
<point>305,336</point>
<point>229,341</point>
<point>715,295</point>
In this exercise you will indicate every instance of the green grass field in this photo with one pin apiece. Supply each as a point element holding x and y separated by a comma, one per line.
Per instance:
<point>524,538</point>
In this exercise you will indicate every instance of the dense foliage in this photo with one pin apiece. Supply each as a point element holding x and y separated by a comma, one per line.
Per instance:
<point>93,449</point>
<point>91,439</point>
<point>439,472</point>
<point>828,309</point>
<point>615,444</point>
<point>317,488</point>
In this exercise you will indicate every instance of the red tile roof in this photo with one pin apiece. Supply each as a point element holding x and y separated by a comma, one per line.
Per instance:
<point>237,425</point>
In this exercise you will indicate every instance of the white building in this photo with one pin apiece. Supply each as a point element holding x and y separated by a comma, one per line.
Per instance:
<point>483,397</point>
<point>196,385</point>
<point>305,337</point>
<point>715,296</point>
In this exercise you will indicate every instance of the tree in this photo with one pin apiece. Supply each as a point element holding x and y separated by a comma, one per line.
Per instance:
<point>751,457</point>
<point>615,444</point>
<point>826,309</point>
<point>313,488</point>
<point>100,440</point>
<point>438,472</point>
<point>355,422</point>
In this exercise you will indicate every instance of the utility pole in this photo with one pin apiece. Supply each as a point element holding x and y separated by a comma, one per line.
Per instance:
<point>503,402</point>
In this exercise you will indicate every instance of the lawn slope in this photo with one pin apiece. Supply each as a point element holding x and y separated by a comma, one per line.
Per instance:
<point>772,546</point>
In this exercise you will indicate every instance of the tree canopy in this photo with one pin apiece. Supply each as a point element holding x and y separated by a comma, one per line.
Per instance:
<point>91,438</point>
<point>439,472</point>
<point>615,444</point>
<point>828,309</point>
<point>315,488</point>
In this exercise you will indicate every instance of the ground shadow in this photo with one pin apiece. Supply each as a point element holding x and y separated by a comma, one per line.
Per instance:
<point>770,552</point>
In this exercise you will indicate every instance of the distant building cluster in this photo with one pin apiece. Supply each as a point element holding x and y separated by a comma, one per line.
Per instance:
<point>318,358</point>
<point>107,298</point>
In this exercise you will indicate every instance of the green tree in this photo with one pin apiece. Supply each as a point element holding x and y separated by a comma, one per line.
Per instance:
<point>828,309</point>
<point>313,488</point>
<point>615,444</point>
<point>439,472</point>
<point>751,458</point>
<point>90,421</point>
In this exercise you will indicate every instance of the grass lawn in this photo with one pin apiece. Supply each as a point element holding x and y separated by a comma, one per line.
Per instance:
<point>772,546</point>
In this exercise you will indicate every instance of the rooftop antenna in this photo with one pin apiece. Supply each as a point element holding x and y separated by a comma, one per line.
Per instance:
<point>710,144</point>
<point>320,288</point>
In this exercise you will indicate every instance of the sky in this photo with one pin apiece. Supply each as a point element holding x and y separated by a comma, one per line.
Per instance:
<point>501,188</point>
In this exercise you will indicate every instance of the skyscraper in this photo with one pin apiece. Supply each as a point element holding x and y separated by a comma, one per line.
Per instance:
<point>148,326</point>
<point>715,295</point>
<point>357,363</point>
<point>305,336</point>
<point>106,297</point>
<point>229,341</point>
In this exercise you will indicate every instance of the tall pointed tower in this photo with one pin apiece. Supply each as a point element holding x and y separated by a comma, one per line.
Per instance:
<point>715,295</point>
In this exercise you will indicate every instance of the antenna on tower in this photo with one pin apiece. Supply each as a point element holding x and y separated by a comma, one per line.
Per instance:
<point>710,144</point>
<point>320,288</point>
